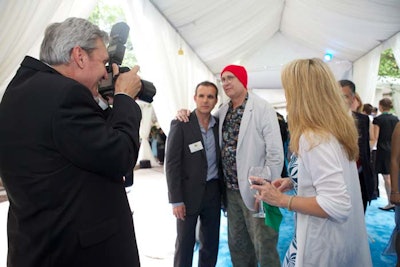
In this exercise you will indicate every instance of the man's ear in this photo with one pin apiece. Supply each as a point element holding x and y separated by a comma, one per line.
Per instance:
<point>79,56</point>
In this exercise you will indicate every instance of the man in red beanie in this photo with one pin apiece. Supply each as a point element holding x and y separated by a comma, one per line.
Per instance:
<point>249,136</point>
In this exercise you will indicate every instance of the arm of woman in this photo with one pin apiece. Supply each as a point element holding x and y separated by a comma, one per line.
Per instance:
<point>272,193</point>
<point>375,134</point>
<point>330,177</point>
<point>325,176</point>
<point>371,135</point>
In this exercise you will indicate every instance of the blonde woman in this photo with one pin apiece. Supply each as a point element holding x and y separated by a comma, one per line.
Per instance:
<point>357,105</point>
<point>330,226</point>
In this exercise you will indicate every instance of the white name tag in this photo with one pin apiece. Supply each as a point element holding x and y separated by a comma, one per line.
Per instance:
<point>196,147</point>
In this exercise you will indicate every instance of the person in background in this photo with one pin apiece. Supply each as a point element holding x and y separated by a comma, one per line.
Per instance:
<point>374,112</point>
<point>362,122</point>
<point>394,242</point>
<point>383,129</point>
<point>161,139</point>
<point>357,105</point>
<point>328,202</point>
<point>157,140</point>
<point>194,178</point>
<point>249,136</point>
<point>153,140</point>
<point>63,161</point>
<point>285,142</point>
<point>367,109</point>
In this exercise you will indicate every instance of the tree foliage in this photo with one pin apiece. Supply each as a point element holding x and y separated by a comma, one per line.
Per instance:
<point>105,15</point>
<point>388,66</point>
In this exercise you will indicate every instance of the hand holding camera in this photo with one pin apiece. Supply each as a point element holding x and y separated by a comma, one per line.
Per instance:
<point>127,82</point>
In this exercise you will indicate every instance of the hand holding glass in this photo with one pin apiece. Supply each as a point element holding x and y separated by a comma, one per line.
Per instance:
<point>265,173</point>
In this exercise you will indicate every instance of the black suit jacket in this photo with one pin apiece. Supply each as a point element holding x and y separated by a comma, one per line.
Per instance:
<point>62,162</point>
<point>129,177</point>
<point>186,172</point>
<point>366,179</point>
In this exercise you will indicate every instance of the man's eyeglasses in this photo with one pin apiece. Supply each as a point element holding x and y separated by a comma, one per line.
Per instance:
<point>227,79</point>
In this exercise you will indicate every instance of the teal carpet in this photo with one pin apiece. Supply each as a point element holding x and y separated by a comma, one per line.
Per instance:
<point>379,227</point>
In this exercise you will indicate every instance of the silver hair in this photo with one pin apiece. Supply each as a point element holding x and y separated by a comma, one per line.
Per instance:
<point>61,38</point>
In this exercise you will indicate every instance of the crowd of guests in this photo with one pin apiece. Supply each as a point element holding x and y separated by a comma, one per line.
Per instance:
<point>59,159</point>
<point>157,139</point>
<point>330,167</point>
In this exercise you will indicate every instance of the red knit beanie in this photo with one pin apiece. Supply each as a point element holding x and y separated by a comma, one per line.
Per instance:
<point>239,71</point>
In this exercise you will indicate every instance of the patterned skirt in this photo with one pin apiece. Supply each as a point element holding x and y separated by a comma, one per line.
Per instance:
<point>290,257</point>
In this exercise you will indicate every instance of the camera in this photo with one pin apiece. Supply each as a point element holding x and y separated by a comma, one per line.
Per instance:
<point>116,51</point>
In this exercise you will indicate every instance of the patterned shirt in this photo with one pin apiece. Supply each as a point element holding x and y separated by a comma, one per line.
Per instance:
<point>230,135</point>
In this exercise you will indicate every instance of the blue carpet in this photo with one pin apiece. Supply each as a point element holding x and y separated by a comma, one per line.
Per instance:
<point>379,227</point>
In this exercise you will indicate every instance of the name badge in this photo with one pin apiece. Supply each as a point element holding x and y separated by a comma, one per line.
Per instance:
<point>196,147</point>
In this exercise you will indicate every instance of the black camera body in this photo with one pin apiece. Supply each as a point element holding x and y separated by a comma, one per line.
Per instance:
<point>116,51</point>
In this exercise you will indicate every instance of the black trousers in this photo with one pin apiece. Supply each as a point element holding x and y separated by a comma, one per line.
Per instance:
<point>374,174</point>
<point>210,215</point>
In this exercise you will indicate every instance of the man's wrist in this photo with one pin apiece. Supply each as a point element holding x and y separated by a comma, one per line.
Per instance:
<point>177,204</point>
<point>122,93</point>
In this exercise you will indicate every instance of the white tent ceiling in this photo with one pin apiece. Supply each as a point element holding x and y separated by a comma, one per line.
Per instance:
<point>263,35</point>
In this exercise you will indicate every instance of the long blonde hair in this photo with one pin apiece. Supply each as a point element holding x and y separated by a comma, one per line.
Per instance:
<point>315,105</point>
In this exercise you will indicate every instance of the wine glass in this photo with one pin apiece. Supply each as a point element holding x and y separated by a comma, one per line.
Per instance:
<point>265,173</point>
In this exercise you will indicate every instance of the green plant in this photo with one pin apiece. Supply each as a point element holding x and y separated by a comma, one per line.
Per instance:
<point>388,66</point>
<point>105,15</point>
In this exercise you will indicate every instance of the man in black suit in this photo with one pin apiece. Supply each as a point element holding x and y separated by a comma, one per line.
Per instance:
<point>364,161</point>
<point>194,179</point>
<point>62,160</point>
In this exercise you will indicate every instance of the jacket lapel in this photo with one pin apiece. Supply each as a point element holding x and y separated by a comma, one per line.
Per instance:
<point>248,111</point>
<point>216,139</point>
<point>196,131</point>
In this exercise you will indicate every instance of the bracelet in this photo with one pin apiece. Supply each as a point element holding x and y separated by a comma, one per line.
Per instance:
<point>289,204</point>
<point>394,193</point>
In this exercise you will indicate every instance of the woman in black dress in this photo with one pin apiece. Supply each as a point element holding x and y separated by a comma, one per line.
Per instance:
<point>383,128</point>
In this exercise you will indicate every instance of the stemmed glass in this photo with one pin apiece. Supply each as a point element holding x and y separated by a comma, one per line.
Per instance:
<point>265,173</point>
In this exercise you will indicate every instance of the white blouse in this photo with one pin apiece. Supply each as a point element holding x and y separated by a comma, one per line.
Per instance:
<point>340,240</point>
